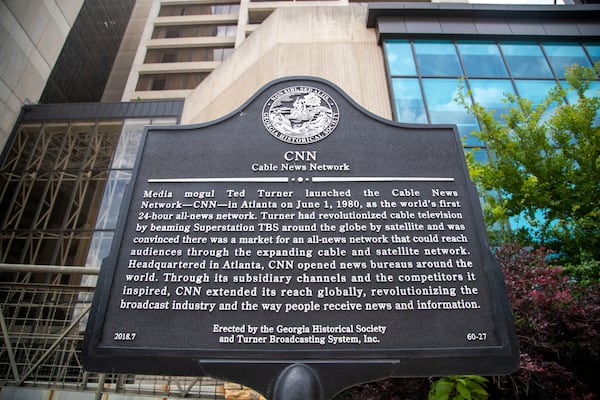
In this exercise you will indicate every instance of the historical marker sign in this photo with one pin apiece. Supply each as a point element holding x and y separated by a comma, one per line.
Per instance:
<point>301,229</point>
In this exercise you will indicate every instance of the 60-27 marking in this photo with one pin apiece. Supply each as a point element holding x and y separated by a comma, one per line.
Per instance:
<point>476,336</point>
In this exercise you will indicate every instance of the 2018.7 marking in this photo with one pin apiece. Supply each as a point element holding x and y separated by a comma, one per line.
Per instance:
<point>124,336</point>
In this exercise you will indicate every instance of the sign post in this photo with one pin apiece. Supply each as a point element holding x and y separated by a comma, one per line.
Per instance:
<point>301,245</point>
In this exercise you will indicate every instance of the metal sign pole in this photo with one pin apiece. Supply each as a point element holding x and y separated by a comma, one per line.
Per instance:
<point>298,382</point>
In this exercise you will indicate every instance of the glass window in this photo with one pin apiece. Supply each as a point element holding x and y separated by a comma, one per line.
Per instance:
<point>490,93</point>
<point>175,81</point>
<point>526,60</point>
<point>437,58</point>
<point>482,59</point>
<point>400,58</point>
<point>187,54</point>
<point>198,9</point>
<point>479,154</point>
<point>225,9</point>
<point>592,91</point>
<point>443,109</point>
<point>221,53</point>
<point>202,30</point>
<point>594,51</point>
<point>112,198</point>
<point>427,99</point>
<point>564,55</point>
<point>129,142</point>
<point>534,90</point>
<point>158,84</point>
<point>408,101</point>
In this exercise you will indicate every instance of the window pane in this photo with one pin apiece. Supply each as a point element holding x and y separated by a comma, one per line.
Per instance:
<point>400,58</point>
<point>164,121</point>
<point>526,60</point>
<point>593,90</point>
<point>202,30</point>
<point>479,154</point>
<point>440,95</point>
<point>129,143</point>
<point>99,249</point>
<point>594,51</point>
<point>564,55</point>
<point>111,201</point>
<point>490,92</point>
<point>408,101</point>
<point>225,9</point>
<point>482,59</point>
<point>437,59</point>
<point>535,91</point>
<point>197,9</point>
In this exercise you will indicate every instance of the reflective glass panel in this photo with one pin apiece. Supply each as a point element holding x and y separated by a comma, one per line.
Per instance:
<point>112,198</point>
<point>400,58</point>
<point>594,51</point>
<point>99,249</point>
<point>440,95</point>
<point>564,55</point>
<point>534,90</point>
<point>479,154</point>
<point>408,101</point>
<point>129,142</point>
<point>526,60</point>
<point>482,59</point>
<point>437,58</point>
<point>594,90</point>
<point>490,92</point>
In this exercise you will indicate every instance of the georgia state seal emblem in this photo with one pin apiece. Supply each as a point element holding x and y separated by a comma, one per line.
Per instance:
<point>300,115</point>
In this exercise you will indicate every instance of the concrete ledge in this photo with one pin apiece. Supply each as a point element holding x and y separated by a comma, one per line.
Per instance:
<point>332,43</point>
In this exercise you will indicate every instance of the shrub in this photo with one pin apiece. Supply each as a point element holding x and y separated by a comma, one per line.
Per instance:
<point>558,324</point>
<point>458,387</point>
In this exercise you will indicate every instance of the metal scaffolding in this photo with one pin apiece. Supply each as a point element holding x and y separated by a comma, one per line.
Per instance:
<point>42,330</point>
<point>61,183</point>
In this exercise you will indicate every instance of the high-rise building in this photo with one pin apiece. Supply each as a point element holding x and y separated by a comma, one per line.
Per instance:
<point>80,80</point>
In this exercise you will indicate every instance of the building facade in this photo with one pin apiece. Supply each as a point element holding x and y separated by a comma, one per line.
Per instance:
<point>31,39</point>
<point>64,166</point>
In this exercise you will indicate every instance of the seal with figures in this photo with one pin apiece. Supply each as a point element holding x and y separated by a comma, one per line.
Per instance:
<point>300,114</point>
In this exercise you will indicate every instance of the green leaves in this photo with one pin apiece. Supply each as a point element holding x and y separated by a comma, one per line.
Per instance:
<point>459,387</point>
<point>544,166</point>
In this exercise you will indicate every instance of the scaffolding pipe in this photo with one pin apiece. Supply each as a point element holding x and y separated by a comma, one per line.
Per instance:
<point>9,349</point>
<point>49,269</point>
<point>54,346</point>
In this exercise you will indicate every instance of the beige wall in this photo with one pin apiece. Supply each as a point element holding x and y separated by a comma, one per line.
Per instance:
<point>332,43</point>
<point>32,34</point>
<point>117,80</point>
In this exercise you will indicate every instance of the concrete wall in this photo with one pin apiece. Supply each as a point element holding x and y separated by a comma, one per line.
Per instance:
<point>327,42</point>
<point>32,34</point>
<point>127,51</point>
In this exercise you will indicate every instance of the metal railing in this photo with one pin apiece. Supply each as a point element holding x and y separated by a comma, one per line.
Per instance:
<point>43,310</point>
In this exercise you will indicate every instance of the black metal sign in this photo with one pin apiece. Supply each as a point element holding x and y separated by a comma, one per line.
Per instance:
<point>301,229</point>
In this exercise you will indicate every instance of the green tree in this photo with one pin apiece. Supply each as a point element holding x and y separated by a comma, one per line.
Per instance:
<point>544,167</point>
